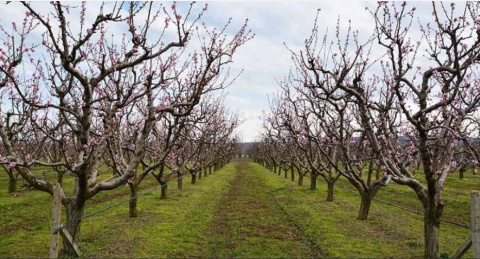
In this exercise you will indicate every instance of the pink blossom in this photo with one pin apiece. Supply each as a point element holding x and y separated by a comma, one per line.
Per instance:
<point>454,164</point>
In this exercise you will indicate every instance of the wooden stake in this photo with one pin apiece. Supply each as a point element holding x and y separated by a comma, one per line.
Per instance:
<point>475,212</point>
<point>69,238</point>
<point>463,248</point>
<point>56,212</point>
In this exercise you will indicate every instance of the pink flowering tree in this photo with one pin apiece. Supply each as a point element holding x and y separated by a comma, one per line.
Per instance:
<point>331,122</point>
<point>205,138</point>
<point>433,78</point>
<point>90,82</point>
<point>14,114</point>
<point>187,77</point>
<point>412,95</point>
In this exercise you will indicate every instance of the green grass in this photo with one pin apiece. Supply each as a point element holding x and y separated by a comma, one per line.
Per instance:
<point>389,231</point>
<point>164,228</point>
<point>249,224</point>
<point>242,210</point>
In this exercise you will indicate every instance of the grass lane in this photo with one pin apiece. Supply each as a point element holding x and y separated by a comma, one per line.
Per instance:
<point>250,224</point>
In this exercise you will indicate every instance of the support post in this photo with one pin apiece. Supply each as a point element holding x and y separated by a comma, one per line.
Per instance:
<point>475,214</point>
<point>69,238</point>
<point>56,213</point>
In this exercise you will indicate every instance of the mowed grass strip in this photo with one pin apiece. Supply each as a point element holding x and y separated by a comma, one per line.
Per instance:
<point>168,228</point>
<point>389,231</point>
<point>249,224</point>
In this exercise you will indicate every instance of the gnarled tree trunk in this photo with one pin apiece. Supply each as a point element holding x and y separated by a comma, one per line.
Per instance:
<point>12,184</point>
<point>60,178</point>
<point>163,190</point>
<point>194,176</point>
<point>330,186</point>
<point>313,181</point>
<point>461,172</point>
<point>300,180</point>
<point>132,208</point>
<point>431,232</point>
<point>74,211</point>
<point>364,206</point>
<point>179,181</point>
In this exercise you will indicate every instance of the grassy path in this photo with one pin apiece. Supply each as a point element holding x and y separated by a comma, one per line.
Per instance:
<point>249,223</point>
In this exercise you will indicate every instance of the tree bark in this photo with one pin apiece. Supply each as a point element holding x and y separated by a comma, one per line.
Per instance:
<point>313,181</point>
<point>60,178</point>
<point>205,172</point>
<point>210,170</point>
<point>133,210</point>
<point>330,186</point>
<point>163,190</point>
<point>292,171</point>
<point>286,173</point>
<point>364,206</point>
<point>12,184</point>
<point>74,211</point>
<point>199,174</point>
<point>461,172</point>
<point>432,227</point>
<point>194,178</point>
<point>300,180</point>
<point>179,181</point>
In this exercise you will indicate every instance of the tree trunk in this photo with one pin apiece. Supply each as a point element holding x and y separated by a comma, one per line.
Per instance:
<point>60,178</point>
<point>74,211</point>
<point>133,210</point>
<point>12,184</point>
<point>205,172</point>
<point>292,171</point>
<point>300,180</point>
<point>163,190</point>
<point>199,174</point>
<point>331,186</point>
<point>364,206</point>
<point>194,178</point>
<point>461,172</point>
<point>432,226</point>
<point>274,168</point>
<point>179,181</point>
<point>286,173</point>
<point>210,170</point>
<point>313,181</point>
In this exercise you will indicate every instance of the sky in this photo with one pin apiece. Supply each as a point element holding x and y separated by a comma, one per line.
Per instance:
<point>265,60</point>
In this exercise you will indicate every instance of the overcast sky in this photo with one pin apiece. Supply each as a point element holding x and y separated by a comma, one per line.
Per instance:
<point>265,59</point>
